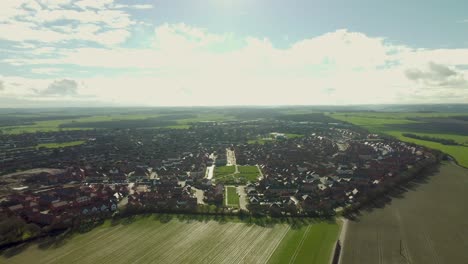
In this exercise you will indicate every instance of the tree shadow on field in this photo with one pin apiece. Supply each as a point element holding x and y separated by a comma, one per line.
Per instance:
<point>395,193</point>
<point>163,218</point>
<point>14,250</point>
<point>55,240</point>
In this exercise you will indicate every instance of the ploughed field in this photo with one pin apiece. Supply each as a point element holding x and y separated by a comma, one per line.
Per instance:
<point>147,240</point>
<point>430,220</point>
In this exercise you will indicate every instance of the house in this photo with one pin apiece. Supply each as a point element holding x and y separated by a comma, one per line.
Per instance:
<point>58,206</point>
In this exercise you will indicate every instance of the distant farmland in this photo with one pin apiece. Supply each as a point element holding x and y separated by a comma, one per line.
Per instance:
<point>148,240</point>
<point>430,220</point>
<point>45,123</point>
<point>449,126</point>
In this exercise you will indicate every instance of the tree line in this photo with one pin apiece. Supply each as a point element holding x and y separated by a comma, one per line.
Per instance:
<point>443,141</point>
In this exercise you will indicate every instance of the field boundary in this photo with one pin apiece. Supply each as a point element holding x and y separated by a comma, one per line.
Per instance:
<point>277,245</point>
<point>304,236</point>
<point>342,239</point>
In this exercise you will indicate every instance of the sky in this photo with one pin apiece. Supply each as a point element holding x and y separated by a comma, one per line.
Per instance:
<point>232,52</point>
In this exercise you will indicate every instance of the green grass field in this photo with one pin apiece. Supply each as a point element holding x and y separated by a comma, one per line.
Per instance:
<point>223,171</point>
<point>290,135</point>
<point>232,196</point>
<point>151,240</point>
<point>61,145</point>
<point>228,175</point>
<point>385,123</point>
<point>54,125</point>
<point>310,244</point>
<point>250,173</point>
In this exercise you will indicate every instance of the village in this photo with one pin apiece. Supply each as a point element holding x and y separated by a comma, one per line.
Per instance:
<point>321,170</point>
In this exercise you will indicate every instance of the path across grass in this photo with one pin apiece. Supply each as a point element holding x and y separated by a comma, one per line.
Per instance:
<point>228,174</point>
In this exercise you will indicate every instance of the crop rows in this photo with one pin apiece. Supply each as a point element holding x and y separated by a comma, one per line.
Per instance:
<point>425,225</point>
<point>147,240</point>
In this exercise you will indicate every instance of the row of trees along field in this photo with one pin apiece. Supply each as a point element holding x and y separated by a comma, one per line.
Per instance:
<point>433,139</point>
<point>384,189</point>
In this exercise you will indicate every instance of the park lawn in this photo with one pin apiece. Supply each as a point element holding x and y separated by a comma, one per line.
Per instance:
<point>232,196</point>
<point>290,135</point>
<point>227,175</point>
<point>249,173</point>
<point>222,171</point>
<point>308,244</point>
<point>61,145</point>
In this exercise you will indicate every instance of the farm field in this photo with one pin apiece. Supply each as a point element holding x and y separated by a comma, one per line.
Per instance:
<point>308,244</point>
<point>175,121</point>
<point>436,125</point>
<point>232,198</point>
<point>148,240</point>
<point>428,220</point>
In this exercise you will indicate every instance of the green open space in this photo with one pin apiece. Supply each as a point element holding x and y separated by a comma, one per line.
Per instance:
<point>228,175</point>
<point>436,125</point>
<point>61,145</point>
<point>223,171</point>
<point>249,173</point>
<point>232,196</point>
<point>309,244</point>
<point>291,135</point>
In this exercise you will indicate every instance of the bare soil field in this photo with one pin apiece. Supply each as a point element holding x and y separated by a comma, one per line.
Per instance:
<point>427,224</point>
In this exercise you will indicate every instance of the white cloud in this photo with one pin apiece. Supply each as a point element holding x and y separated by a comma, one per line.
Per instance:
<point>144,6</point>
<point>54,3</point>
<point>63,87</point>
<point>94,4</point>
<point>46,71</point>
<point>147,6</point>
<point>191,66</point>
<point>25,20</point>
